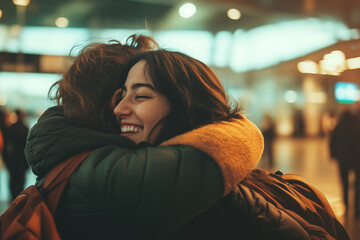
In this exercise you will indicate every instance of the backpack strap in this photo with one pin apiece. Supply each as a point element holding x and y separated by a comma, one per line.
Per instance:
<point>57,178</point>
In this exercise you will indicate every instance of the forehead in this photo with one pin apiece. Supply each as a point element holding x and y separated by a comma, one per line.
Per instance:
<point>138,74</point>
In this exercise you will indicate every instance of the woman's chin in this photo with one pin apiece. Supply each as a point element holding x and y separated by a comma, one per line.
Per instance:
<point>133,137</point>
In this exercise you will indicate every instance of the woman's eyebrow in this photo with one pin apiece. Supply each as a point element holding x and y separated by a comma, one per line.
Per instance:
<point>138,85</point>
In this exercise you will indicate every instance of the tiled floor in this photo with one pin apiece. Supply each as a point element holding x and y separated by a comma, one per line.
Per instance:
<point>308,157</point>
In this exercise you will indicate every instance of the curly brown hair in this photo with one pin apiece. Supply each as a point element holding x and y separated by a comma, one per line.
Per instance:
<point>86,89</point>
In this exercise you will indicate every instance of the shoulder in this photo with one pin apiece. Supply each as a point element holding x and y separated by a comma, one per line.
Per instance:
<point>114,168</point>
<point>235,145</point>
<point>149,160</point>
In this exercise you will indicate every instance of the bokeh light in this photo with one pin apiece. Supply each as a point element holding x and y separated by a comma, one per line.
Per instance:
<point>353,63</point>
<point>234,14</point>
<point>290,96</point>
<point>308,66</point>
<point>21,2</point>
<point>62,22</point>
<point>346,92</point>
<point>187,10</point>
<point>333,63</point>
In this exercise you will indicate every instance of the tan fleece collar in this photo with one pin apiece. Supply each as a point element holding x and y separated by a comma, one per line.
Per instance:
<point>236,146</point>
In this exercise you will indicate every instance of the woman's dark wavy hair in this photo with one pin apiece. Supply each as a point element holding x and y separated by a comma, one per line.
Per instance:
<point>86,89</point>
<point>195,93</point>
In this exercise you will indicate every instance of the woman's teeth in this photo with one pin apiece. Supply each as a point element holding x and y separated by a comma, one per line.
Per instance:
<point>126,129</point>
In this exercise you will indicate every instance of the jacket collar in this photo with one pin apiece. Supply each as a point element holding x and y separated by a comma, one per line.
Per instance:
<point>54,138</point>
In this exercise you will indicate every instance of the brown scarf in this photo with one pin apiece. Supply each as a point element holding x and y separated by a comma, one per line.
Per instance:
<point>236,146</point>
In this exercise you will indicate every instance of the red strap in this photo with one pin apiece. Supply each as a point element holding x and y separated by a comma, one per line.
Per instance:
<point>1,142</point>
<point>56,180</point>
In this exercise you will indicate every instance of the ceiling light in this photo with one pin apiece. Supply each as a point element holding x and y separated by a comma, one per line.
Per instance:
<point>62,22</point>
<point>333,63</point>
<point>234,14</point>
<point>308,66</point>
<point>21,2</point>
<point>353,63</point>
<point>187,10</point>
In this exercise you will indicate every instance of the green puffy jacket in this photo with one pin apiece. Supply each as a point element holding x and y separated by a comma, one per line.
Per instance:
<point>119,191</point>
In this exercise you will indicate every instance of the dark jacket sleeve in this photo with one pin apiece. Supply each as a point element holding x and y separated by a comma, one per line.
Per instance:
<point>153,190</point>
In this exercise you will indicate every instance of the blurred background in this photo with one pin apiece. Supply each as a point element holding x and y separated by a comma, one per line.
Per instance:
<point>293,65</point>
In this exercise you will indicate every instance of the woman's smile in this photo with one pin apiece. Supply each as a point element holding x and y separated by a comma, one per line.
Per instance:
<point>130,129</point>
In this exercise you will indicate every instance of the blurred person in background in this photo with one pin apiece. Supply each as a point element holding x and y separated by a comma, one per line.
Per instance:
<point>127,186</point>
<point>357,162</point>
<point>344,147</point>
<point>299,123</point>
<point>2,127</point>
<point>268,131</point>
<point>3,119</point>
<point>13,156</point>
<point>1,142</point>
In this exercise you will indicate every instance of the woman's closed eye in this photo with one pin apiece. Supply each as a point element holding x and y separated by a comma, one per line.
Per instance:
<point>142,97</point>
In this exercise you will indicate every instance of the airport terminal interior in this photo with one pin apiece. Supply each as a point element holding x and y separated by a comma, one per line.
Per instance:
<point>294,65</point>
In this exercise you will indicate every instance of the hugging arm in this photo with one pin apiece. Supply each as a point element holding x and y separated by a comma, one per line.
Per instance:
<point>154,190</point>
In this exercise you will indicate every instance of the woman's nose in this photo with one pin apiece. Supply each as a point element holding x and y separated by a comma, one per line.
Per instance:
<point>122,109</point>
